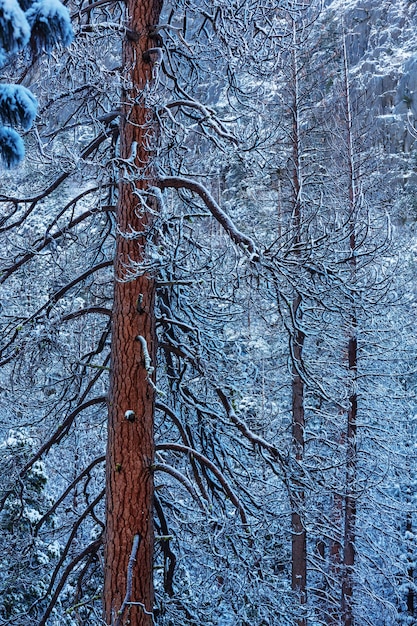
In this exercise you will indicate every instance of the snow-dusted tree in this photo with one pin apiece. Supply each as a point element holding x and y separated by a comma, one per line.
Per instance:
<point>360,419</point>
<point>128,586</point>
<point>341,268</point>
<point>60,236</point>
<point>40,25</point>
<point>23,580</point>
<point>194,141</point>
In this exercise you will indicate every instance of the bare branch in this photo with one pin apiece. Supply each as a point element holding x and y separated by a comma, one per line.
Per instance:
<point>129,579</point>
<point>162,467</point>
<point>92,548</point>
<point>239,238</point>
<point>176,447</point>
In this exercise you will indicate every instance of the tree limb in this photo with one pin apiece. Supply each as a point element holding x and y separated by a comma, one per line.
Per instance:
<point>176,447</point>
<point>239,238</point>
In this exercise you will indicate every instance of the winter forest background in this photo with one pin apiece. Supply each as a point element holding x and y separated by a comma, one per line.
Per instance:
<point>244,389</point>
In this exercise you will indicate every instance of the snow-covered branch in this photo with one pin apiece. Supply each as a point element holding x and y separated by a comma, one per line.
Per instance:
<point>239,238</point>
<point>209,116</point>
<point>176,447</point>
<point>129,578</point>
<point>245,430</point>
<point>172,471</point>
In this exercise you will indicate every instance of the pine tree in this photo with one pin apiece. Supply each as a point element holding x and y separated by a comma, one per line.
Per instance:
<point>128,586</point>
<point>23,581</point>
<point>39,25</point>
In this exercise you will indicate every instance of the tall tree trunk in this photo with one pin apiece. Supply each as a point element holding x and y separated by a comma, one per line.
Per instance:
<point>351,429</point>
<point>411,600</point>
<point>335,556</point>
<point>128,588</point>
<point>299,535</point>
<point>350,498</point>
<point>411,593</point>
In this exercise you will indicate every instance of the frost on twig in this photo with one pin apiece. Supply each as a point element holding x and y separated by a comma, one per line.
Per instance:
<point>239,238</point>
<point>209,117</point>
<point>129,579</point>
<point>249,434</point>
<point>156,195</point>
<point>146,357</point>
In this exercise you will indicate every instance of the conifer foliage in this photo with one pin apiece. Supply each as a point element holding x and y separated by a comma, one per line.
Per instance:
<point>40,25</point>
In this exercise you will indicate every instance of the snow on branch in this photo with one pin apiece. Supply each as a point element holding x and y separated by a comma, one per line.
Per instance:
<point>209,116</point>
<point>246,432</point>
<point>43,24</point>
<point>172,471</point>
<point>50,24</point>
<point>90,549</point>
<point>146,356</point>
<point>70,567</point>
<point>129,578</point>
<point>12,149</point>
<point>18,106</point>
<point>14,29</point>
<point>176,447</point>
<point>239,238</point>
<point>55,438</point>
<point>71,486</point>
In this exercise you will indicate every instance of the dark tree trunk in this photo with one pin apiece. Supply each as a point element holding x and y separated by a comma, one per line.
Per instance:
<point>350,499</point>
<point>411,604</point>
<point>130,452</point>
<point>335,555</point>
<point>299,535</point>
<point>352,416</point>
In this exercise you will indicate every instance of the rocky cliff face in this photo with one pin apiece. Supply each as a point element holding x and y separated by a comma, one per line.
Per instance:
<point>382,44</point>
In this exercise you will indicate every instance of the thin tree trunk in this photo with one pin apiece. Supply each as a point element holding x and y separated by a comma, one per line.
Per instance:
<point>351,429</point>
<point>299,535</point>
<point>335,565</point>
<point>350,499</point>
<point>411,599</point>
<point>335,557</point>
<point>128,587</point>
<point>411,602</point>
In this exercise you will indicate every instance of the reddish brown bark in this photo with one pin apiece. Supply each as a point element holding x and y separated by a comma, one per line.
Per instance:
<point>130,452</point>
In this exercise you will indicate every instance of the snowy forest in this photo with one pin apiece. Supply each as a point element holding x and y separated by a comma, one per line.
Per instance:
<point>208,214</point>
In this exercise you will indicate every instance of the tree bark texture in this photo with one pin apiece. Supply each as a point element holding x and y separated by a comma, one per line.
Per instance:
<point>128,587</point>
<point>335,554</point>
<point>352,415</point>
<point>350,500</point>
<point>299,534</point>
